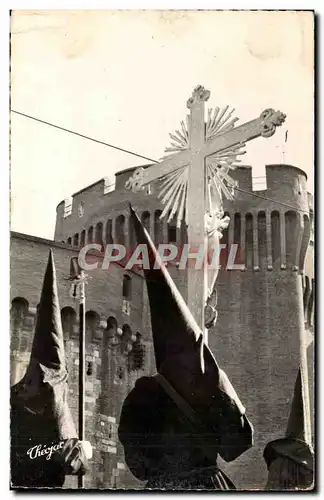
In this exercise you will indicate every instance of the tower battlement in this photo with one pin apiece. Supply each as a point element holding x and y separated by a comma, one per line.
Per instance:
<point>285,184</point>
<point>272,227</point>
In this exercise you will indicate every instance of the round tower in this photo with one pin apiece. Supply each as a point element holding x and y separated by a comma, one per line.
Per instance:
<point>261,315</point>
<point>260,324</point>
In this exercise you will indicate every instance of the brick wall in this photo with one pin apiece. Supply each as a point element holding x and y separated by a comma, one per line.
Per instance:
<point>112,363</point>
<point>256,338</point>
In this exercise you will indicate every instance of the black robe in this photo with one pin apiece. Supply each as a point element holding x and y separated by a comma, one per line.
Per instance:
<point>29,429</point>
<point>163,447</point>
<point>43,419</point>
<point>175,424</point>
<point>40,414</point>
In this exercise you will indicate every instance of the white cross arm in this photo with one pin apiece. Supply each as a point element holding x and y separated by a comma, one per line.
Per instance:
<point>264,126</point>
<point>143,176</point>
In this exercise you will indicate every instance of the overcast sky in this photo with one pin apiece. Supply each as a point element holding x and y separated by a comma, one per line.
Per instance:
<point>124,77</point>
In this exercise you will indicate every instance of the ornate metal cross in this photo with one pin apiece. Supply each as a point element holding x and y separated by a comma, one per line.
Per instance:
<point>195,175</point>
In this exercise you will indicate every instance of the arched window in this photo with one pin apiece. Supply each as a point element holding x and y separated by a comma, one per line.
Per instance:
<point>109,238</point>
<point>92,320</point>
<point>262,240</point>
<point>127,332</point>
<point>172,231</point>
<point>183,233</point>
<point>310,309</point>
<point>90,234</point>
<point>126,339</point>
<point>68,317</point>
<point>19,309</point>
<point>146,221</point>
<point>69,241</point>
<point>305,241</point>
<point>306,295</point>
<point>249,241</point>
<point>111,328</point>
<point>120,229</point>
<point>127,287</point>
<point>291,237</point>
<point>98,234</point>
<point>76,240</point>
<point>111,323</point>
<point>239,258</point>
<point>237,229</point>
<point>275,238</point>
<point>311,218</point>
<point>137,354</point>
<point>158,227</point>
<point>18,340</point>
<point>82,238</point>
<point>308,299</point>
<point>131,233</point>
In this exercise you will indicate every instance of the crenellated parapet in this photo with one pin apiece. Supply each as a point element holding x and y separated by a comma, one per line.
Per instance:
<point>273,228</point>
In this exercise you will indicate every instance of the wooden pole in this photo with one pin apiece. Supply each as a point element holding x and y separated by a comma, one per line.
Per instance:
<point>196,212</point>
<point>192,147</point>
<point>81,367</point>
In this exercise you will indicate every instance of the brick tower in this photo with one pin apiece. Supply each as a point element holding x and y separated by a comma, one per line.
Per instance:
<point>260,309</point>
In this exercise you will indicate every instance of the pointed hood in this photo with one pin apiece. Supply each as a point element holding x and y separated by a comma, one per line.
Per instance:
<point>177,343</point>
<point>173,326</point>
<point>43,389</point>
<point>48,345</point>
<point>296,445</point>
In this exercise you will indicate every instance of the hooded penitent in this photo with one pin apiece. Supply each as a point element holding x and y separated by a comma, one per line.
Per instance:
<point>290,460</point>
<point>180,419</point>
<point>40,416</point>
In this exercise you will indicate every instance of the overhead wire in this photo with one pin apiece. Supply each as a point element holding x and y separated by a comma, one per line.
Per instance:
<point>83,135</point>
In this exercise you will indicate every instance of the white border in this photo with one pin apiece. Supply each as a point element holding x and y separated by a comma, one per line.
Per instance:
<point>4,178</point>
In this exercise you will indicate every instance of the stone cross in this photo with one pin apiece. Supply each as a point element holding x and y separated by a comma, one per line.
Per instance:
<point>194,177</point>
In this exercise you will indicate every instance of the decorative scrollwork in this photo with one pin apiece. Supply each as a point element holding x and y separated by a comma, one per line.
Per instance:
<point>270,120</point>
<point>215,223</point>
<point>136,182</point>
<point>199,94</point>
<point>173,186</point>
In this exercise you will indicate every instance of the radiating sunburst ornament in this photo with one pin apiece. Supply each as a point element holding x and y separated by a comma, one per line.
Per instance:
<point>174,185</point>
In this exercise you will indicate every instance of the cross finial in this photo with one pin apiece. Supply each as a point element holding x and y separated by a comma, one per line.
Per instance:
<point>270,120</point>
<point>199,94</point>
